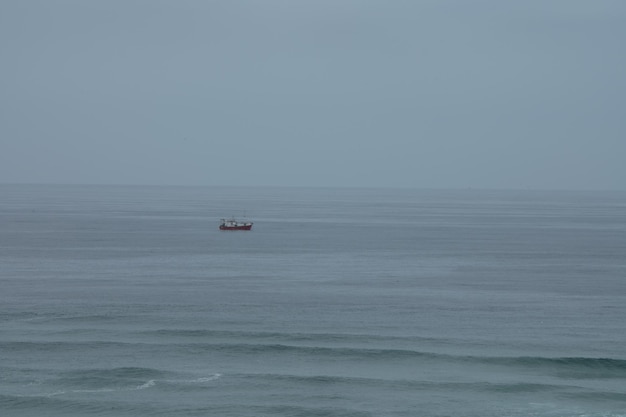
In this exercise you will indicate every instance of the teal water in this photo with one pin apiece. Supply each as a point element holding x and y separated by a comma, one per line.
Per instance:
<point>128,301</point>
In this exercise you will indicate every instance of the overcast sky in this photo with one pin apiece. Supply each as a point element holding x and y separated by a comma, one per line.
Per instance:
<point>389,93</point>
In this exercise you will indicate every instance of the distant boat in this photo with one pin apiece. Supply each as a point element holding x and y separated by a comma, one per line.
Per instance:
<point>232,224</point>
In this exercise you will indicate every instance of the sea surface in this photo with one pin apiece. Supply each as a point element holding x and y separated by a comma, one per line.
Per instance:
<point>128,301</point>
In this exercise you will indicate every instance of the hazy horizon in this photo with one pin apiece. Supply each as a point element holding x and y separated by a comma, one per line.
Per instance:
<point>366,94</point>
<point>321,187</point>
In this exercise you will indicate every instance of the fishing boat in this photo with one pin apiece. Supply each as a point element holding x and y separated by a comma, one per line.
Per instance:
<point>232,224</point>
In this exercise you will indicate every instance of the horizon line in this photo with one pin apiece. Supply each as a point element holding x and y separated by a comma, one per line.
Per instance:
<point>364,187</point>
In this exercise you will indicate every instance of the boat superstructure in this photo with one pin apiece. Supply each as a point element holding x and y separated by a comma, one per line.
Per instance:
<point>233,224</point>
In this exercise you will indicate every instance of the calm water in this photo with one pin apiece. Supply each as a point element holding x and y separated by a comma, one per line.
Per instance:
<point>128,301</point>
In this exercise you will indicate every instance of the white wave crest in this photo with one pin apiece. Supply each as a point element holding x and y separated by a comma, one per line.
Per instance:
<point>147,384</point>
<point>94,390</point>
<point>207,378</point>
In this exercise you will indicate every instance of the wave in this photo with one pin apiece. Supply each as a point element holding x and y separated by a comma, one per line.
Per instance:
<point>567,367</point>
<point>204,379</point>
<point>562,367</point>
<point>607,366</point>
<point>52,346</point>
<point>600,397</point>
<point>29,316</point>
<point>409,384</point>
<point>148,384</point>
<point>70,407</point>
<point>132,374</point>
<point>122,385</point>
<point>93,386</point>
<point>344,345</point>
<point>290,337</point>
<point>117,373</point>
<point>101,381</point>
<point>65,406</point>
<point>81,392</point>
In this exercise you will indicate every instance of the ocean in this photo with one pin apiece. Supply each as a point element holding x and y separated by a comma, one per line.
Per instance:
<point>128,301</point>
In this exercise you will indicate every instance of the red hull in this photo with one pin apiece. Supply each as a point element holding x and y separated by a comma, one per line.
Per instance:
<point>246,227</point>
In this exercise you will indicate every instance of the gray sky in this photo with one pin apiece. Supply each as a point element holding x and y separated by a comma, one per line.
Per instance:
<point>427,94</point>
